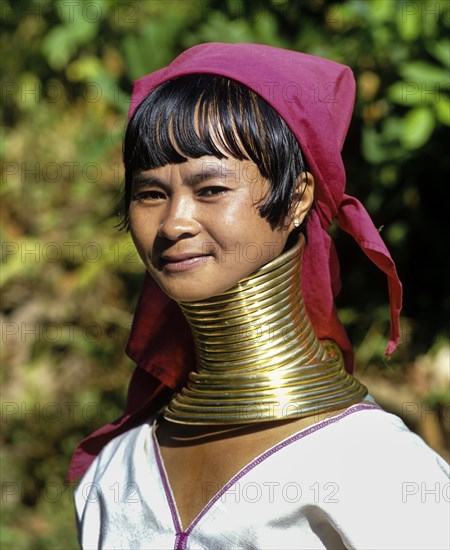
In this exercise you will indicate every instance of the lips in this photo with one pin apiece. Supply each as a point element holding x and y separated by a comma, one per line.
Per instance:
<point>183,261</point>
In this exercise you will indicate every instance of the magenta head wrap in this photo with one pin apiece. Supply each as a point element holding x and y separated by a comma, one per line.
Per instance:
<point>315,97</point>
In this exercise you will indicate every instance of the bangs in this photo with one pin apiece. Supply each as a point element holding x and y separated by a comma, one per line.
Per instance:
<point>181,120</point>
<point>208,115</point>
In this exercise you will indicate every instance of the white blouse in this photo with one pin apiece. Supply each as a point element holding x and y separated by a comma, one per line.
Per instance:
<point>359,480</point>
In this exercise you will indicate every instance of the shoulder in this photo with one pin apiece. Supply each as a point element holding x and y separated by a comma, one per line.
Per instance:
<point>117,459</point>
<point>367,424</point>
<point>382,436</point>
<point>125,445</point>
<point>372,439</point>
<point>391,487</point>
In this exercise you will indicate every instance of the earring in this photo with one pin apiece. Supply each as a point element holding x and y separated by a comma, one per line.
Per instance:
<point>296,223</point>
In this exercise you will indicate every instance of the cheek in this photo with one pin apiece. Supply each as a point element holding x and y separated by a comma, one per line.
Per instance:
<point>250,242</point>
<point>141,234</point>
<point>240,217</point>
<point>135,233</point>
<point>133,215</point>
<point>142,225</point>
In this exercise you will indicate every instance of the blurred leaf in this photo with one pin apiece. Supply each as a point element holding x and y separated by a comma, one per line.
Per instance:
<point>371,146</point>
<point>421,72</point>
<point>442,108</point>
<point>440,49</point>
<point>417,127</point>
<point>84,69</point>
<point>405,93</point>
<point>409,20</point>
<point>30,91</point>
<point>396,232</point>
<point>381,11</point>
<point>392,129</point>
<point>74,12</point>
<point>151,47</point>
<point>62,41</point>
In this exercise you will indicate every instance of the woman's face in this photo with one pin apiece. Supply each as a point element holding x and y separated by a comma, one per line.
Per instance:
<point>197,227</point>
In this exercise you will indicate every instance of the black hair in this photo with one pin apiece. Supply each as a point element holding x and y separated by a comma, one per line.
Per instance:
<point>204,114</point>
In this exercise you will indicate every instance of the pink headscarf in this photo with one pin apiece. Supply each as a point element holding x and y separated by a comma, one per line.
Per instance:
<point>315,97</point>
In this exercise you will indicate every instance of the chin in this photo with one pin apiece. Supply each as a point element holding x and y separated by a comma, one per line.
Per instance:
<point>196,293</point>
<point>190,295</point>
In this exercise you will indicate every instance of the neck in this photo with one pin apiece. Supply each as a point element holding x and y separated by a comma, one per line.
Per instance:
<point>258,358</point>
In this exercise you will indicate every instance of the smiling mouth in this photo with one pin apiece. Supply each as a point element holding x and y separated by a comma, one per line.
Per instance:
<point>183,262</point>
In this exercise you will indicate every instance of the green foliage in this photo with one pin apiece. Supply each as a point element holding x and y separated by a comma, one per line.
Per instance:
<point>70,279</point>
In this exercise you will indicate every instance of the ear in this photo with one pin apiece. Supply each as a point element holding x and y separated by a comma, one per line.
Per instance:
<point>303,199</point>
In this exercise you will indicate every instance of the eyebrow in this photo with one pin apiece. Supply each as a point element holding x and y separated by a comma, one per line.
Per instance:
<point>141,180</point>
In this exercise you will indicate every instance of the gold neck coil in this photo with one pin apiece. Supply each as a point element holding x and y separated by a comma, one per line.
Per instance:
<point>258,358</point>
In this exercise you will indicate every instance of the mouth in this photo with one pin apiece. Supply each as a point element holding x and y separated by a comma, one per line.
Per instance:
<point>182,262</point>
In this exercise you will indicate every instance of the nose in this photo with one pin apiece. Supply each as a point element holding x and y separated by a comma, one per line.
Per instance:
<point>179,219</point>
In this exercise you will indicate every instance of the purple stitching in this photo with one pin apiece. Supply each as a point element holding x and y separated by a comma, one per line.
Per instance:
<point>181,541</point>
<point>182,536</point>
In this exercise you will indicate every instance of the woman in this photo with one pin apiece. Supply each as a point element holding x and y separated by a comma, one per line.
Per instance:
<point>233,174</point>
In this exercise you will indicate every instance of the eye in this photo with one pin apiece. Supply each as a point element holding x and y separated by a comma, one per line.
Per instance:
<point>151,195</point>
<point>212,191</point>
